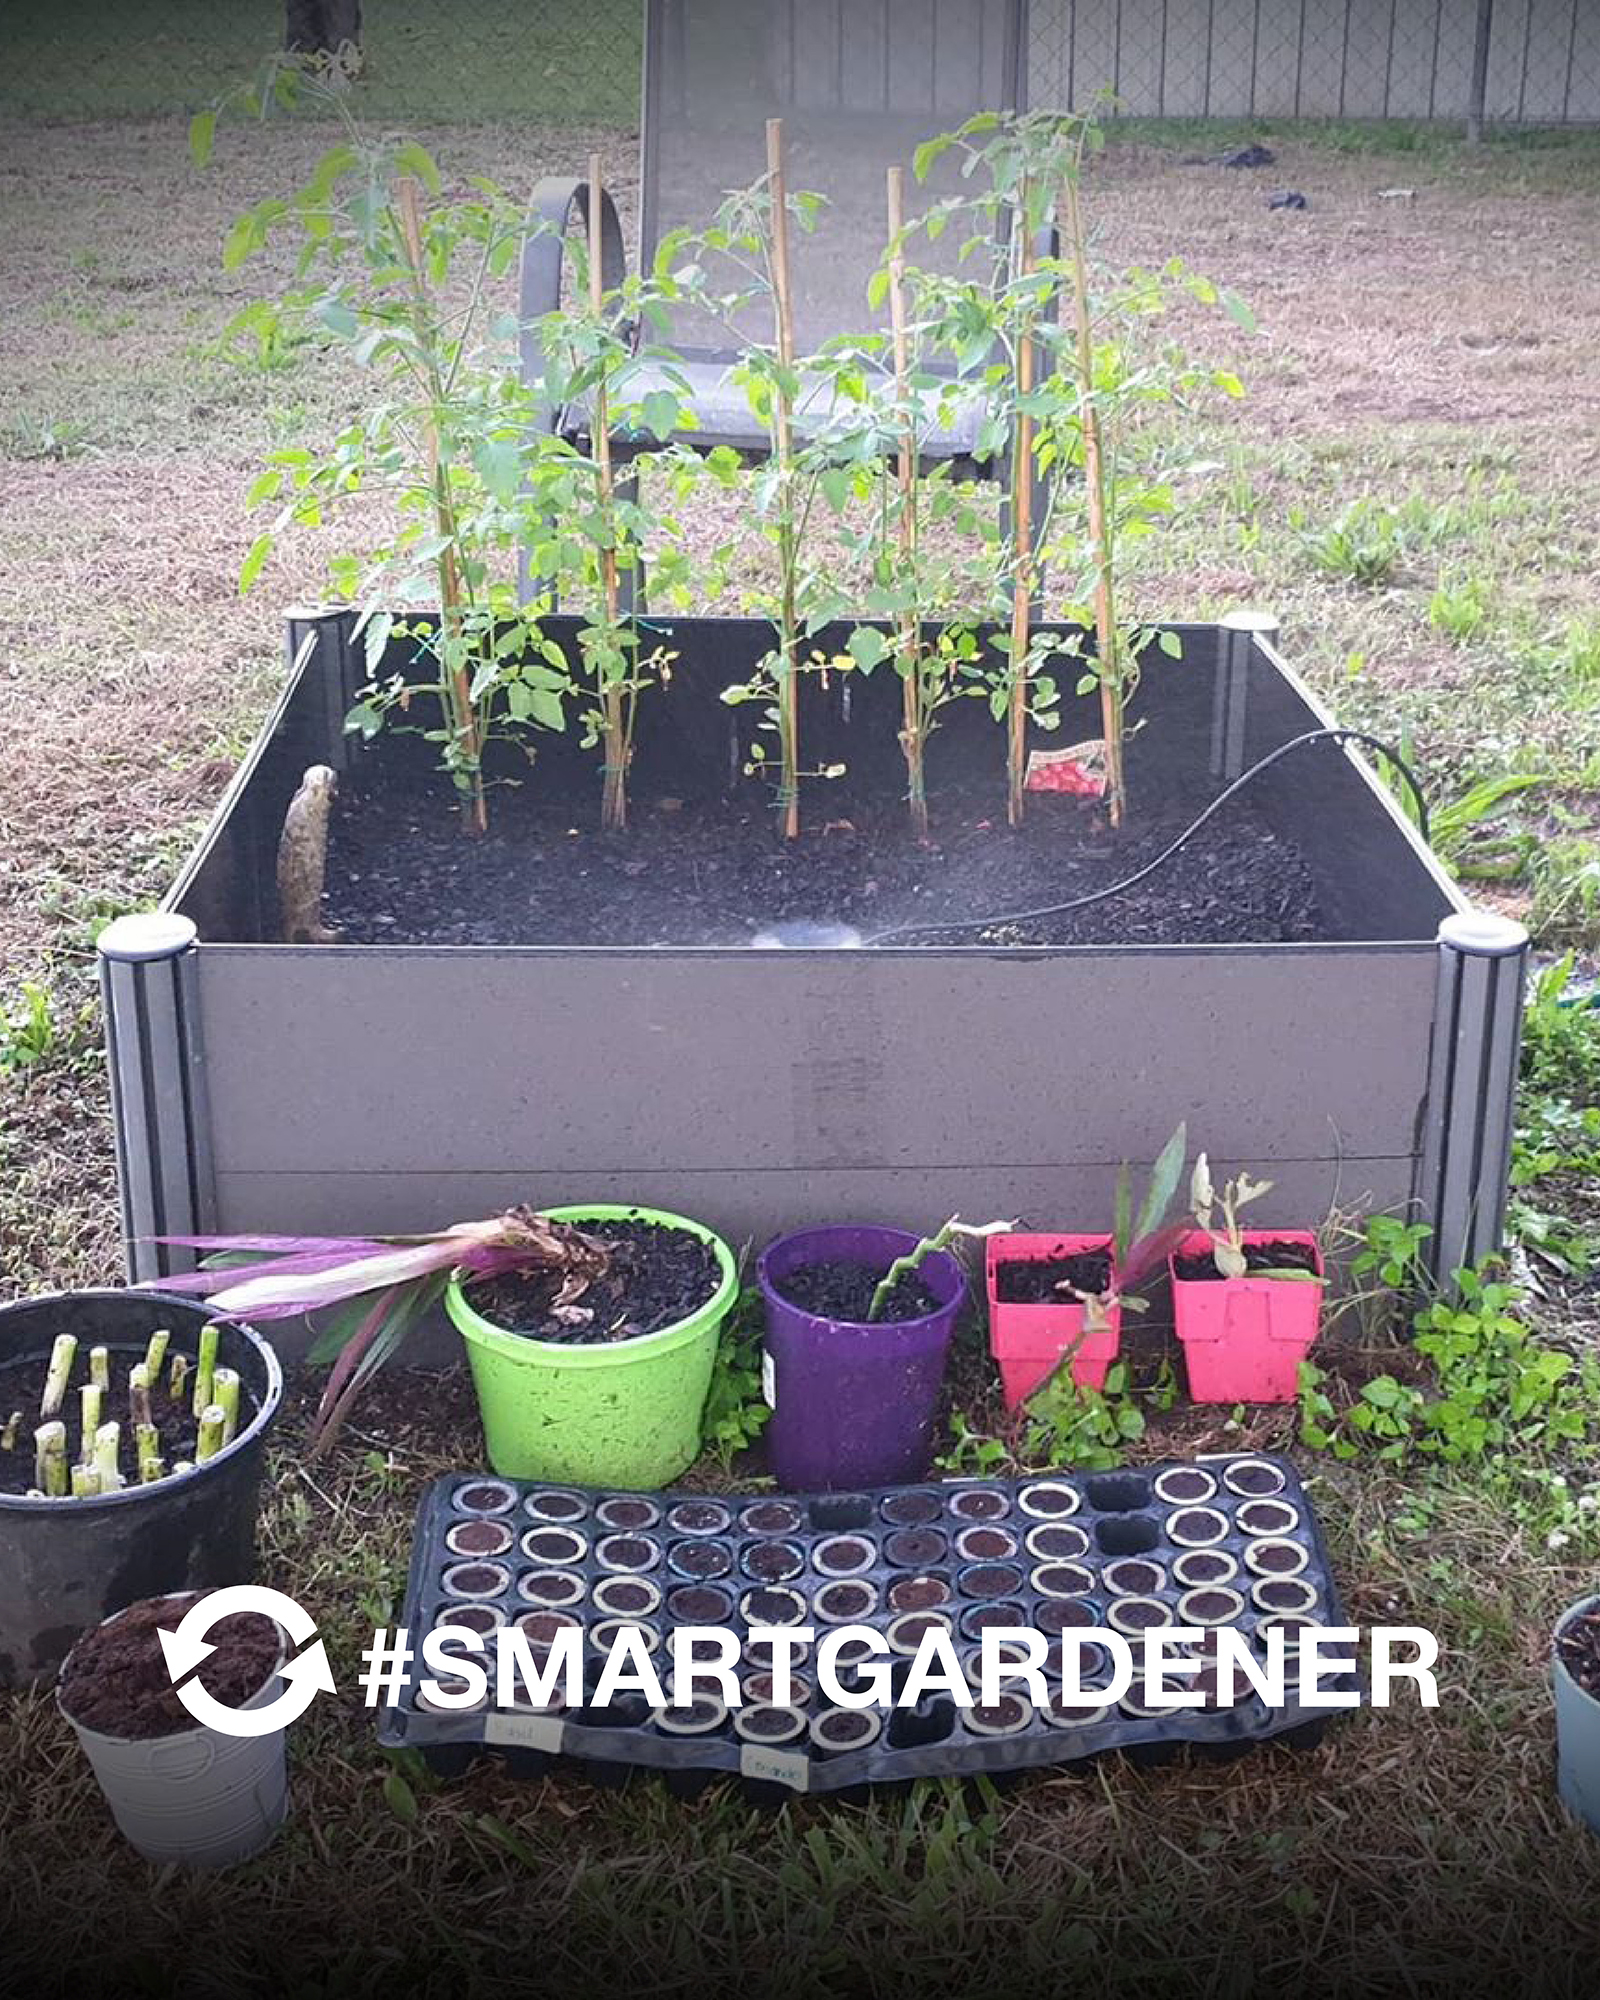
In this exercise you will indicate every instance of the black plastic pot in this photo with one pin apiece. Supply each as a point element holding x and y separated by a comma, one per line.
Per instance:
<point>68,1564</point>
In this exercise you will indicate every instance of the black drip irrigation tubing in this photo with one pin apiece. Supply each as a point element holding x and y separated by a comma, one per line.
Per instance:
<point>1131,881</point>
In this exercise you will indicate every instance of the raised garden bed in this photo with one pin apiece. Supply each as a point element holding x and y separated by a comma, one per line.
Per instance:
<point>1299,1012</point>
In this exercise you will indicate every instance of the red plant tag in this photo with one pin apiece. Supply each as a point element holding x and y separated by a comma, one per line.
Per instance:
<point>1079,768</point>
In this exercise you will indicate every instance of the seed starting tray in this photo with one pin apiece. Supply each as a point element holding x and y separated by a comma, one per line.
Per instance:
<point>1224,1541</point>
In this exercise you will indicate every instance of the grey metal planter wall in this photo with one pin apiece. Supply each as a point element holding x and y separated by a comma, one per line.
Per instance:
<point>265,1087</point>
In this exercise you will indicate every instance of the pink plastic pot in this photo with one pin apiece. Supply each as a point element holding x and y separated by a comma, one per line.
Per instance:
<point>1029,1341</point>
<point>1245,1338</point>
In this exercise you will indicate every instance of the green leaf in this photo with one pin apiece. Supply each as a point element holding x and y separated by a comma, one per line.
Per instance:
<point>415,159</point>
<point>1164,1178</point>
<point>400,1799</point>
<point>1170,644</point>
<point>202,133</point>
<point>260,549</point>
<point>659,413</point>
<point>867,647</point>
<point>498,462</point>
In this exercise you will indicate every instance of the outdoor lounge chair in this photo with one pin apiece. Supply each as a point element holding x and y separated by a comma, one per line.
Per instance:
<point>858,85</point>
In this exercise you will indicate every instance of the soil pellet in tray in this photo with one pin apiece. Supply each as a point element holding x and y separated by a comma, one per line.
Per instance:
<point>699,1517</point>
<point>989,1580</point>
<point>770,1517</point>
<point>761,1652</point>
<point>912,1548</point>
<point>1045,1500</point>
<point>840,1290</point>
<point>694,1718</point>
<point>1274,1256</point>
<point>486,1497</point>
<point>1267,1517</point>
<point>1578,1644</point>
<point>1209,1607</point>
<point>476,1579</point>
<point>550,1586</point>
<point>1053,1281</point>
<point>980,1618</point>
<point>841,1729</point>
<point>554,1545</point>
<point>1275,1558</point>
<point>985,1544</point>
<point>1252,1478</point>
<point>1138,1614</point>
<point>979,1503</point>
<point>116,1679</point>
<point>1057,1541</point>
<point>762,1689</point>
<point>556,1506</point>
<point>1063,1580</point>
<point>1130,1576</point>
<point>481,1618</point>
<point>907,1632</point>
<point>625,1596</point>
<point>773,1562</point>
<point>699,1604</point>
<point>700,1560</point>
<point>541,1628</point>
<point>628,1511</point>
<point>708,872</point>
<point>1202,1566</point>
<point>1062,1613</point>
<point>1196,1526</point>
<point>657,1277</point>
<point>478,1538</point>
<point>629,1552</point>
<point>913,1509</point>
<point>1285,1593</point>
<point>918,1593</point>
<point>1185,1484</point>
<point>843,1555</point>
<point>843,1602</point>
<point>767,1724</point>
<point>772,1605</point>
<point>1000,1718</point>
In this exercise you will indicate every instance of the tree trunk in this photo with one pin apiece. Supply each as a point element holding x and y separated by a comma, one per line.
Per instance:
<point>321,27</point>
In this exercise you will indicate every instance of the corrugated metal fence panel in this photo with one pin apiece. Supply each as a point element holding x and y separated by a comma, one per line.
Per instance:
<point>1317,58</point>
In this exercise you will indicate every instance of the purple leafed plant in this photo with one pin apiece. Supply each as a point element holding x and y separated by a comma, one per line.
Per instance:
<point>376,1288</point>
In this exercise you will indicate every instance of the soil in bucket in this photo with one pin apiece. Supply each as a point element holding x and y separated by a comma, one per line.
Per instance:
<point>1578,1645</point>
<point>117,1683</point>
<point>1277,1255</point>
<point>1053,1281</point>
<point>657,1277</point>
<point>844,1291</point>
<point>22,1385</point>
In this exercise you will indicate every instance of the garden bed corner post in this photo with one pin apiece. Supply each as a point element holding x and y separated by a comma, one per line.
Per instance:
<point>1472,1084</point>
<point>158,1108</point>
<point>1237,639</point>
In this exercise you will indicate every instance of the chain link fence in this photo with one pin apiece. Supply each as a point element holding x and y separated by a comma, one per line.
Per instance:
<point>1518,62</point>
<point>437,61</point>
<point>578,61</point>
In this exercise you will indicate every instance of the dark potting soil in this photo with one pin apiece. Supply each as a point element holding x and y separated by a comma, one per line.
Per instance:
<point>658,1276</point>
<point>22,1384</point>
<point>1274,1256</point>
<point>1053,1281</point>
<point>117,1682</point>
<point>715,872</point>
<point>843,1291</point>
<point>1579,1647</point>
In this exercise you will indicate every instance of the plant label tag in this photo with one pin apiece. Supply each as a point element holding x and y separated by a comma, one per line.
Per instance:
<point>524,1732</point>
<point>769,1381</point>
<point>778,1767</point>
<point>1080,768</point>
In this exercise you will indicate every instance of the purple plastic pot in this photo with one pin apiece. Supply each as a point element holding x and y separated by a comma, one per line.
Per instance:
<point>853,1405</point>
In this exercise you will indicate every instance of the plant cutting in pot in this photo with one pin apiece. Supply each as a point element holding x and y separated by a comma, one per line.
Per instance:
<point>1576,1667</point>
<point>1055,1298</point>
<point>179,1791</point>
<point>591,1332</point>
<point>1246,1302</point>
<point>859,1321</point>
<point>130,1458</point>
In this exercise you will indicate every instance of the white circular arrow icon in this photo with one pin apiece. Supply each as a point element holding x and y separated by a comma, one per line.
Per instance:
<point>308,1674</point>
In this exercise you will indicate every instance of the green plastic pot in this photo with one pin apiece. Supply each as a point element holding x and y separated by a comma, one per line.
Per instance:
<point>620,1413</point>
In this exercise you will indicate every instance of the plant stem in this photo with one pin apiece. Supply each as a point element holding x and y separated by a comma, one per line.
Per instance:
<point>225,1394</point>
<point>100,1368</point>
<point>91,1405</point>
<point>11,1432</point>
<point>213,1425</point>
<point>155,1354</point>
<point>147,1442</point>
<point>1021,534</point>
<point>63,1352</point>
<point>1094,487</point>
<point>107,1446</point>
<point>614,792</point>
<point>902,1267</point>
<point>914,733</point>
<point>85,1482</point>
<point>464,720</point>
<point>783,438</point>
<point>178,1377</point>
<point>205,1367</point>
<point>139,1394</point>
<point>50,1460</point>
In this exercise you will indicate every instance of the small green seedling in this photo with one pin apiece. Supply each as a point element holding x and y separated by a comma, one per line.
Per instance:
<point>1227,1243</point>
<point>941,1239</point>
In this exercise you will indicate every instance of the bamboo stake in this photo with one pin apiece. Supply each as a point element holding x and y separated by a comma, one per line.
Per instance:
<point>466,721</point>
<point>614,792</point>
<point>63,1352</point>
<point>50,1460</point>
<point>205,1367</point>
<point>1094,487</point>
<point>910,618</point>
<point>783,316</point>
<point>1022,541</point>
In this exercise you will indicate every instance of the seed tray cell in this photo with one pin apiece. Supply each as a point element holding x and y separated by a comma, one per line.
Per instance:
<point>1230,1541</point>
